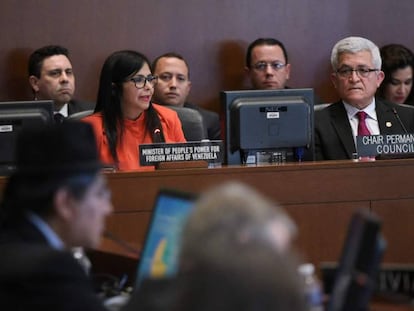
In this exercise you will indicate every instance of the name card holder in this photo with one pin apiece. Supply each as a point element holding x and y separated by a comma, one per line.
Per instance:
<point>391,146</point>
<point>201,154</point>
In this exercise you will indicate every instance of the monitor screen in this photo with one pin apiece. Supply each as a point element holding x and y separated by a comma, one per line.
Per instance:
<point>263,123</point>
<point>359,264</point>
<point>159,256</point>
<point>14,116</point>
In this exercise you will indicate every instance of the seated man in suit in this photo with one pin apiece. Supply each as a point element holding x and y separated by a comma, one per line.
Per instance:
<point>356,64</point>
<point>55,200</point>
<point>174,86</point>
<point>51,77</point>
<point>268,67</point>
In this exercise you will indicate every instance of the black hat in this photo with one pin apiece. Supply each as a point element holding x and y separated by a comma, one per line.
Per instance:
<point>59,149</point>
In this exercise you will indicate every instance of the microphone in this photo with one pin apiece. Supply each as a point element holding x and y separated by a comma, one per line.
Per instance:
<point>397,116</point>
<point>121,243</point>
<point>157,136</point>
<point>80,256</point>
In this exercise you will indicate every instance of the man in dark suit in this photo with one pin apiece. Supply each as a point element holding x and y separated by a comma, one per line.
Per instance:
<point>56,199</point>
<point>174,86</point>
<point>267,66</point>
<point>51,77</point>
<point>357,74</point>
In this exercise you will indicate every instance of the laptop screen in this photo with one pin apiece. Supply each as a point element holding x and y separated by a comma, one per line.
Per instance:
<point>159,256</point>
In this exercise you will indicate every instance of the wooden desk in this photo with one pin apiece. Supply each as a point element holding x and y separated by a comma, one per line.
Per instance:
<point>319,196</point>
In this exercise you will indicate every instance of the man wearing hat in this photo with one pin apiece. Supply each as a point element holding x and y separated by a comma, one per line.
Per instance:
<point>55,200</point>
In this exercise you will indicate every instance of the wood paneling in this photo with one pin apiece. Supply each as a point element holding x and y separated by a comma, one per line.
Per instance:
<point>398,228</point>
<point>212,36</point>
<point>322,228</point>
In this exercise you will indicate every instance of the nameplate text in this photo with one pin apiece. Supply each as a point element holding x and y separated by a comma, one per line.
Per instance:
<point>208,151</point>
<point>392,144</point>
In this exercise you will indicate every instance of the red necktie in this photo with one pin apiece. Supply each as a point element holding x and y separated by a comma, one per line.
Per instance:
<point>362,126</point>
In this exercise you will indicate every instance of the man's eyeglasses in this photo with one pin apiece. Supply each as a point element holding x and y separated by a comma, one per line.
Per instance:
<point>141,80</point>
<point>361,72</point>
<point>262,66</point>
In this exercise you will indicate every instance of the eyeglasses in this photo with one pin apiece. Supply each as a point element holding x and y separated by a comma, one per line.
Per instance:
<point>361,72</point>
<point>141,80</point>
<point>262,66</point>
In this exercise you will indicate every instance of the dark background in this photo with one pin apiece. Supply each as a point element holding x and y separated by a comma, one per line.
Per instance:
<point>212,35</point>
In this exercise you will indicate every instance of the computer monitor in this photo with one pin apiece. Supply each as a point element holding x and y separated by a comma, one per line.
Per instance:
<point>361,257</point>
<point>268,125</point>
<point>14,116</point>
<point>159,256</point>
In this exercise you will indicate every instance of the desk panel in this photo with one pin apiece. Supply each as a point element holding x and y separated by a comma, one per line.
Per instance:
<point>398,228</point>
<point>129,227</point>
<point>322,228</point>
<point>320,197</point>
<point>331,181</point>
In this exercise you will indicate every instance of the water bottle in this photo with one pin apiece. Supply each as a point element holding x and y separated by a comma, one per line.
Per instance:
<point>312,287</point>
<point>80,256</point>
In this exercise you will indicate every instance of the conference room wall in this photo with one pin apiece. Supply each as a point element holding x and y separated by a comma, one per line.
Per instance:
<point>212,36</point>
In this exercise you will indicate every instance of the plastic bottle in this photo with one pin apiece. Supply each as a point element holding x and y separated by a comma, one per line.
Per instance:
<point>313,289</point>
<point>81,257</point>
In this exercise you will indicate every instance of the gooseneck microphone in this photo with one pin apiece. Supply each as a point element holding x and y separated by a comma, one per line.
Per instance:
<point>397,116</point>
<point>158,137</point>
<point>121,243</point>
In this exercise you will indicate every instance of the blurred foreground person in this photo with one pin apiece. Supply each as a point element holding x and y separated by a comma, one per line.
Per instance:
<point>55,200</point>
<point>229,216</point>
<point>244,261</point>
<point>235,255</point>
<point>247,277</point>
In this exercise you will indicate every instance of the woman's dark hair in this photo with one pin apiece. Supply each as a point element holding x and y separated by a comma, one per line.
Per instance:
<point>118,68</point>
<point>36,193</point>
<point>394,57</point>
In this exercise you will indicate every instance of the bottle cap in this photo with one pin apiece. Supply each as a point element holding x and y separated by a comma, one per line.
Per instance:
<point>306,269</point>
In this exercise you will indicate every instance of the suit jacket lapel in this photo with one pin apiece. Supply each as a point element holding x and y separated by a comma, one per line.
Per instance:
<point>341,124</point>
